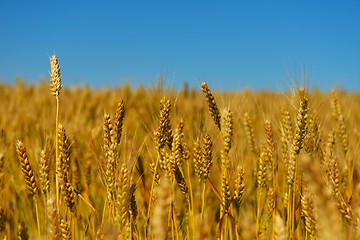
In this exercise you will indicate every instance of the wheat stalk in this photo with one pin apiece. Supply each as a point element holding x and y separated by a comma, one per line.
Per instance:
<point>297,144</point>
<point>55,87</point>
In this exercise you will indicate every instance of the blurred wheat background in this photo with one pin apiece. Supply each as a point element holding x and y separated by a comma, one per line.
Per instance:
<point>82,163</point>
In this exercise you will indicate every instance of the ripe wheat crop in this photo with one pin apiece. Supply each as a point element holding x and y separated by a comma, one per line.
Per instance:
<point>82,163</point>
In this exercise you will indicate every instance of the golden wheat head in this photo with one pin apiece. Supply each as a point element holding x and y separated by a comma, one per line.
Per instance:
<point>55,76</point>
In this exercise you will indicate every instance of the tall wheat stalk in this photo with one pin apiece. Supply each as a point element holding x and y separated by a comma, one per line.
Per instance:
<point>297,145</point>
<point>55,87</point>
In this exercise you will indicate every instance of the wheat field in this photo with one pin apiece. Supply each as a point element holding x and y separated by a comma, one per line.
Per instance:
<point>82,163</point>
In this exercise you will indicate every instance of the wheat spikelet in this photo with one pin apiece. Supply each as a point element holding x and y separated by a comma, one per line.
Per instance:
<point>69,195</point>
<point>249,133</point>
<point>63,165</point>
<point>168,162</point>
<point>23,233</point>
<point>225,194</point>
<point>239,185</point>
<point>271,202</point>
<point>301,125</point>
<point>261,169</point>
<point>164,133</point>
<point>122,200</point>
<point>133,206</point>
<point>119,120</point>
<point>207,158</point>
<point>179,177</point>
<point>179,149</point>
<point>313,138</point>
<point>2,219</point>
<point>330,164</point>
<point>345,209</point>
<point>44,171</point>
<point>197,160</point>
<point>65,230</point>
<point>55,76</point>
<point>155,172</point>
<point>214,111</point>
<point>286,136</point>
<point>271,154</point>
<point>108,129</point>
<point>307,210</point>
<point>270,139</point>
<point>341,122</point>
<point>110,157</point>
<point>291,168</point>
<point>26,168</point>
<point>227,129</point>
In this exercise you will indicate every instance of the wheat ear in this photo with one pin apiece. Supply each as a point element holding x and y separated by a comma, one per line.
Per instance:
<point>213,108</point>
<point>29,176</point>
<point>249,130</point>
<point>26,168</point>
<point>122,200</point>
<point>119,120</point>
<point>110,158</point>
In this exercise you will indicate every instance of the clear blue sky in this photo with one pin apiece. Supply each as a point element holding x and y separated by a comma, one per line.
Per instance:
<point>231,45</point>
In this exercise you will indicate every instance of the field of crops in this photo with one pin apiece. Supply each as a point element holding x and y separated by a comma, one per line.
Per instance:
<point>82,163</point>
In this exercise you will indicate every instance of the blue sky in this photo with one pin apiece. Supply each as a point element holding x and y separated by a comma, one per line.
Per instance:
<point>229,44</point>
